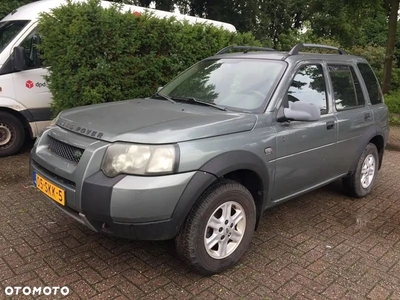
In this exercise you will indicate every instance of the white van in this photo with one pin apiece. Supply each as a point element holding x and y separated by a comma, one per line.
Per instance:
<point>24,96</point>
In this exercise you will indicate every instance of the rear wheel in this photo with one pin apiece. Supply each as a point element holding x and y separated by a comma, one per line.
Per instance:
<point>12,134</point>
<point>219,228</point>
<point>361,181</point>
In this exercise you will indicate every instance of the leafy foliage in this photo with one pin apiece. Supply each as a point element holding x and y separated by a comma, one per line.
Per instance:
<point>392,100</point>
<point>8,6</point>
<point>98,55</point>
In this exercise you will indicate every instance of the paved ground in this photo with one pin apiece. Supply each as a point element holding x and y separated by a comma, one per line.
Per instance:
<point>320,246</point>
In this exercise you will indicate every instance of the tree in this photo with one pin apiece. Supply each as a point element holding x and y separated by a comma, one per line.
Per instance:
<point>279,17</point>
<point>241,13</point>
<point>387,73</point>
<point>9,5</point>
<point>167,5</point>
<point>346,21</point>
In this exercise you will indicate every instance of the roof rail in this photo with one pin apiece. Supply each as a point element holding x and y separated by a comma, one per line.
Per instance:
<point>296,49</point>
<point>244,48</point>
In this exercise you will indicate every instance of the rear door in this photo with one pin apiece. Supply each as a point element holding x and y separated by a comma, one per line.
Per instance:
<point>375,96</point>
<point>351,109</point>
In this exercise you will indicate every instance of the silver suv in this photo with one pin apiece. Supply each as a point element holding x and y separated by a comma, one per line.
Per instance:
<point>200,160</point>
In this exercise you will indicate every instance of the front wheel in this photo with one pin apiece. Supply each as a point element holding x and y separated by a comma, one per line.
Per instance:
<point>219,228</point>
<point>362,180</point>
<point>12,134</point>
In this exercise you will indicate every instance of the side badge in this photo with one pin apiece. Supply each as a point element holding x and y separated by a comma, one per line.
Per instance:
<point>268,151</point>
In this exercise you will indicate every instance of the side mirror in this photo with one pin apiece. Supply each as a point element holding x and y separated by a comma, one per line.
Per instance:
<point>299,111</point>
<point>159,88</point>
<point>18,59</point>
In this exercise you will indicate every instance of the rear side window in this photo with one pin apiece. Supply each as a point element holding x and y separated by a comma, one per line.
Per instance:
<point>346,87</point>
<point>374,91</point>
<point>357,86</point>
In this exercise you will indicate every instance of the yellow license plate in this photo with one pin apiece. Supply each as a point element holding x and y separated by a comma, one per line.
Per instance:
<point>51,190</point>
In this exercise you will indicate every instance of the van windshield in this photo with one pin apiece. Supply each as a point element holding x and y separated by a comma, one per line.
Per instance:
<point>9,30</point>
<point>232,83</point>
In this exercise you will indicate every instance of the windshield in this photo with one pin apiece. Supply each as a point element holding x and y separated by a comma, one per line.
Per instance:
<point>241,84</point>
<point>9,30</point>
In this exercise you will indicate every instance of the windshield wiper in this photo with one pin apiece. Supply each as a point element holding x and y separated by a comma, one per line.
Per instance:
<point>193,100</point>
<point>165,97</point>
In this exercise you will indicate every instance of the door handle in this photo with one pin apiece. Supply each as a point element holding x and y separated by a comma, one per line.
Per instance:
<point>367,117</point>
<point>330,125</point>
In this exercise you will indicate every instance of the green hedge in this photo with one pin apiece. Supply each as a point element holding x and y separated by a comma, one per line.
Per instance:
<point>98,55</point>
<point>392,101</point>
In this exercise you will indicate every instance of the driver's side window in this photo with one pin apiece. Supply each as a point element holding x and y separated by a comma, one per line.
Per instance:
<point>32,55</point>
<point>309,86</point>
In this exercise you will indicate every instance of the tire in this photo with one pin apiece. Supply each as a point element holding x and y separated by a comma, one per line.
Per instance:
<point>354,185</point>
<point>191,239</point>
<point>12,134</point>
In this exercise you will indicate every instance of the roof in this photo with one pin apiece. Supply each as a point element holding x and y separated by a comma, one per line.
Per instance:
<point>32,11</point>
<point>291,56</point>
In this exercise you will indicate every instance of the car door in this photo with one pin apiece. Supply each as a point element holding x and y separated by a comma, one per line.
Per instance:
<point>30,86</point>
<point>378,107</point>
<point>306,150</point>
<point>353,114</point>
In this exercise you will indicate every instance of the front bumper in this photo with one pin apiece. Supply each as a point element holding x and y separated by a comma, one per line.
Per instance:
<point>133,207</point>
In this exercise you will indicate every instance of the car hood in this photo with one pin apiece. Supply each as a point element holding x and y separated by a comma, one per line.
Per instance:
<point>153,121</point>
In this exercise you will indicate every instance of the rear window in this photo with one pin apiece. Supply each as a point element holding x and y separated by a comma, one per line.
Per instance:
<point>346,87</point>
<point>373,87</point>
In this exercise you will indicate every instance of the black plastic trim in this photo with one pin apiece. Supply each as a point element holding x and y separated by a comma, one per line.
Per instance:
<point>369,135</point>
<point>243,160</point>
<point>41,114</point>
<point>27,115</point>
<point>96,196</point>
<point>152,231</point>
<point>37,114</point>
<point>209,173</point>
<point>195,188</point>
<point>237,160</point>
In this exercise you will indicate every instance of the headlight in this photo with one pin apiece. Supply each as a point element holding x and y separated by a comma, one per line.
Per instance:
<point>139,159</point>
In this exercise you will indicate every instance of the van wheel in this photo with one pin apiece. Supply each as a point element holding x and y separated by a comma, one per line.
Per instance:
<point>361,181</point>
<point>12,134</point>
<point>219,228</point>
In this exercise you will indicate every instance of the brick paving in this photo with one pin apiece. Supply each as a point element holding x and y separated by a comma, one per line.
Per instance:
<point>323,245</point>
<point>394,138</point>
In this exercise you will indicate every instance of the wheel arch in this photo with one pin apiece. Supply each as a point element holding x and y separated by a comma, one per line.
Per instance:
<point>253,182</point>
<point>375,137</point>
<point>23,116</point>
<point>242,166</point>
<point>379,142</point>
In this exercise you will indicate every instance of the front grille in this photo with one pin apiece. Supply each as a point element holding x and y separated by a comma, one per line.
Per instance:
<point>64,150</point>
<point>51,175</point>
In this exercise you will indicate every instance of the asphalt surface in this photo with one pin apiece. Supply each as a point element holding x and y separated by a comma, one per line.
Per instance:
<point>323,245</point>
